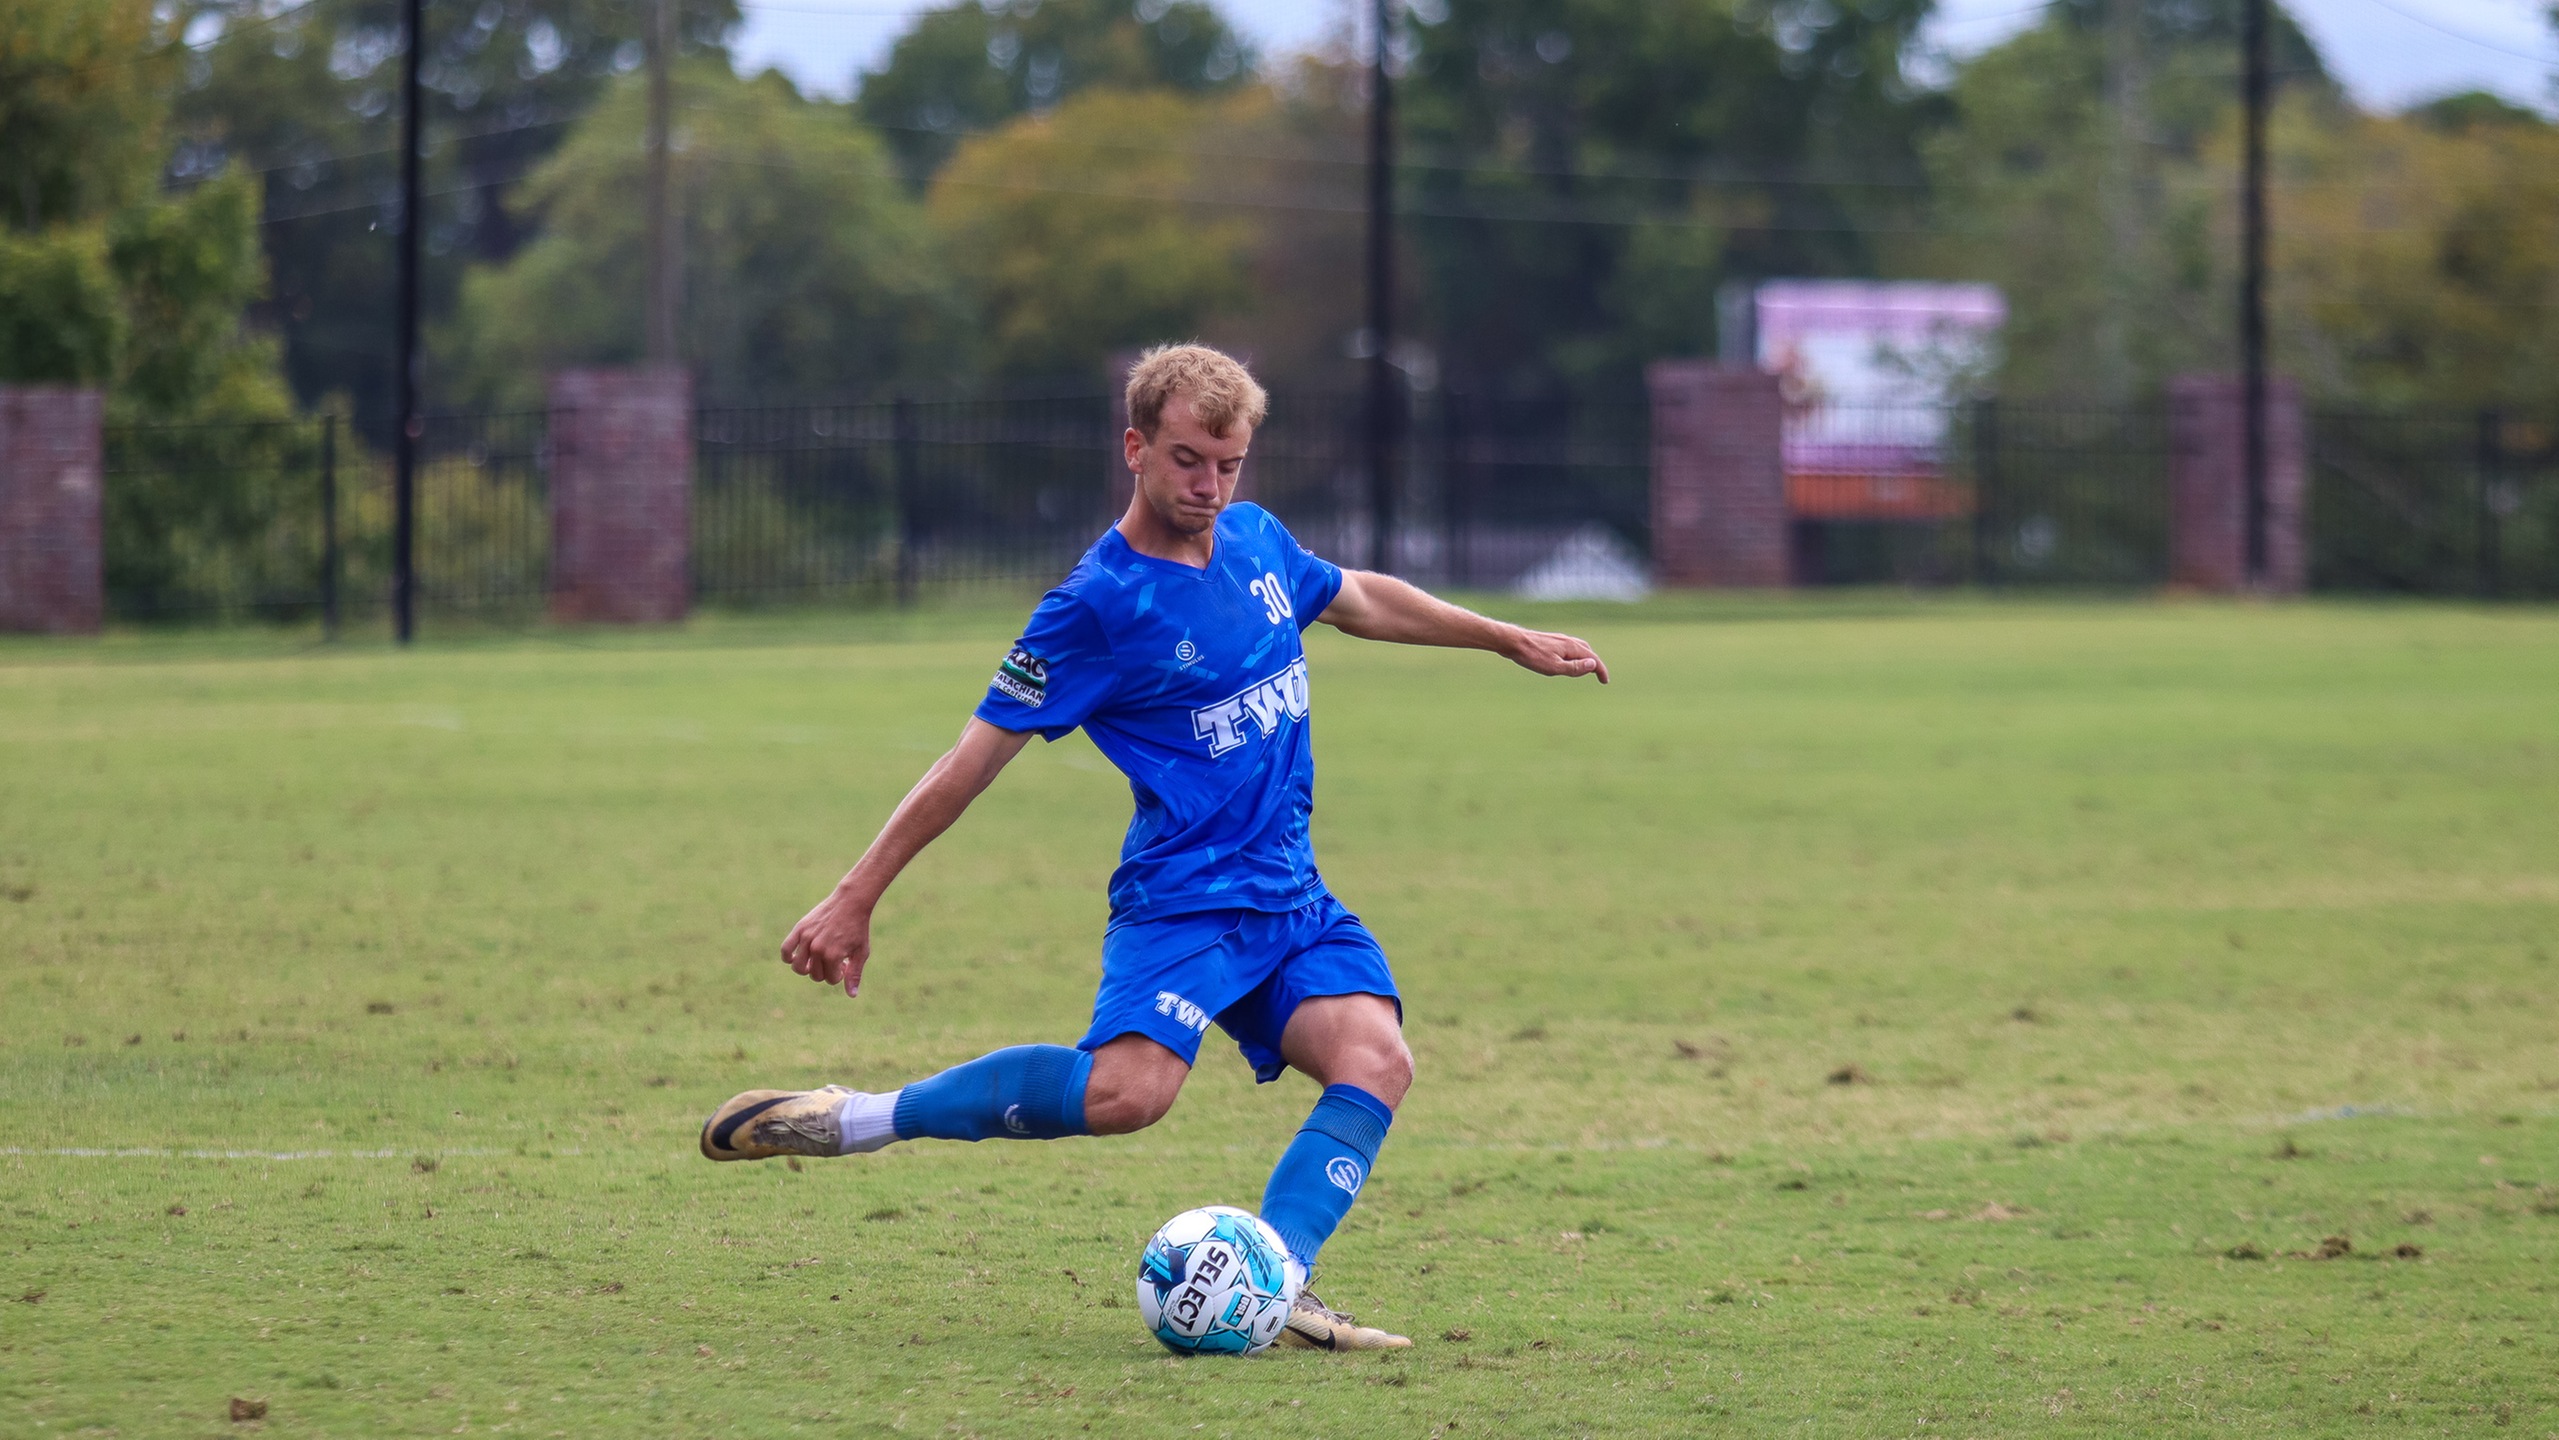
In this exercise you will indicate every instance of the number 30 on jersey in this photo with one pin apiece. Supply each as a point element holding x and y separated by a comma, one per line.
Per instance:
<point>1274,598</point>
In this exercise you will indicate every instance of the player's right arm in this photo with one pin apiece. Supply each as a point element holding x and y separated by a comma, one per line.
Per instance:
<point>832,942</point>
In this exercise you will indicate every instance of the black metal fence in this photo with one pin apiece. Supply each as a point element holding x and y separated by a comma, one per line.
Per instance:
<point>870,503</point>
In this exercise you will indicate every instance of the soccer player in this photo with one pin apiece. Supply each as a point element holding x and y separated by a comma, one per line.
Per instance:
<point>1175,644</point>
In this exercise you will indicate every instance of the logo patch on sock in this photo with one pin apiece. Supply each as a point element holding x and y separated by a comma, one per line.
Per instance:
<point>1344,1172</point>
<point>1014,1122</point>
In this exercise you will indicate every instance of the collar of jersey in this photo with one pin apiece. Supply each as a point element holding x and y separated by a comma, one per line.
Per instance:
<point>1197,572</point>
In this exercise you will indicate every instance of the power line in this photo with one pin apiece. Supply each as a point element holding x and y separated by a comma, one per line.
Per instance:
<point>2000,15</point>
<point>854,13</point>
<point>2543,59</point>
<point>1566,212</point>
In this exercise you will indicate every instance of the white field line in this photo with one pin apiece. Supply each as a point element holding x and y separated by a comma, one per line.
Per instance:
<point>91,1153</point>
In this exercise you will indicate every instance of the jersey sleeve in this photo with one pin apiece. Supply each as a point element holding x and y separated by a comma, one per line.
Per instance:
<point>1313,581</point>
<point>1056,676</point>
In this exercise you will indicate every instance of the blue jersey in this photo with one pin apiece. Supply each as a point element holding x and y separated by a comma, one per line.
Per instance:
<point>1193,682</point>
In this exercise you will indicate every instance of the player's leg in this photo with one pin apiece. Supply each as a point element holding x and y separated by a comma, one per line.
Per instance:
<point>1023,1092</point>
<point>1353,1046</point>
<point>1329,1010</point>
<point>1161,980</point>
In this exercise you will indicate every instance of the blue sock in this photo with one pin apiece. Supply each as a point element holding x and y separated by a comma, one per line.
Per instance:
<point>1322,1170</point>
<point>1027,1092</point>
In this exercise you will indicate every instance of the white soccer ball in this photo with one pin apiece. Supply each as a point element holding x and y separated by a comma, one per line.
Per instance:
<point>1214,1281</point>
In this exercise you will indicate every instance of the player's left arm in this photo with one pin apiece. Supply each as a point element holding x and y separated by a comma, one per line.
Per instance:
<point>1381,607</point>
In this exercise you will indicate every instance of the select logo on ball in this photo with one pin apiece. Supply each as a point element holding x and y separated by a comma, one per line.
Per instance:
<point>1214,1281</point>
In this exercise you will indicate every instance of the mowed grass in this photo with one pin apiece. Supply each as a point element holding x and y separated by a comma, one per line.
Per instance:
<point>1860,1019</point>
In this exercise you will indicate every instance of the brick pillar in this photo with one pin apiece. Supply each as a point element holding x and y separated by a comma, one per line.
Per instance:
<point>52,577</point>
<point>1719,478</point>
<point>2208,485</point>
<point>621,495</point>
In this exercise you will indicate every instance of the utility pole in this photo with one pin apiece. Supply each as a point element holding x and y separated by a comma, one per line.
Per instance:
<point>661,296</point>
<point>404,369</point>
<point>2125,201</point>
<point>1383,412</point>
<point>2252,286</point>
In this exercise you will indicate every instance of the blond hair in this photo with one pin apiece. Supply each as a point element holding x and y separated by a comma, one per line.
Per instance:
<point>1222,392</point>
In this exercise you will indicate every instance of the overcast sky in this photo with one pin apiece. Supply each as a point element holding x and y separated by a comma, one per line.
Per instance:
<point>2389,52</point>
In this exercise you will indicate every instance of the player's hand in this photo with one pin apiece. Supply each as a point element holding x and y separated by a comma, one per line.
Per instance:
<point>832,943</point>
<point>1557,655</point>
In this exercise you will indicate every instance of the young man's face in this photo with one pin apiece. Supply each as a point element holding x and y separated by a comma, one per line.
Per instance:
<point>1185,474</point>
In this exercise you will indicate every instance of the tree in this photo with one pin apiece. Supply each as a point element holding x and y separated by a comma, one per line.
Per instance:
<point>1584,172</point>
<point>969,68</point>
<point>81,107</point>
<point>2417,262</point>
<point>62,320</point>
<point>1086,230</point>
<point>2114,280</point>
<point>307,97</point>
<point>108,281</point>
<point>806,267</point>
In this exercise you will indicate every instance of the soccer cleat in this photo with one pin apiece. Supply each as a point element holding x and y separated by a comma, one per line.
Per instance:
<point>1314,1325</point>
<point>760,1124</point>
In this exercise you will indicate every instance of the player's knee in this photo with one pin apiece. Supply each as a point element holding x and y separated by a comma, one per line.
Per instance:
<point>1382,1066</point>
<point>1121,1110</point>
<point>1133,1083</point>
<point>1397,1072</point>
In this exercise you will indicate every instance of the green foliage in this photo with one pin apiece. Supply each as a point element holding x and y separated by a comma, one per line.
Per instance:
<point>147,303</point>
<point>2084,171</point>
<point>61,318</point>
<point>189,268</point>
<point>1586,171</point>
<point>2412,259</point>
<point>210,498</point>
<point>1079,232</point>
<point>2416,264</point>
<point>2473,110</point>
<point>969,68</point>
<point>806,267</point>
<point>2114,908</point>
<point>306,95</point>
<point>114,284</point>
<point>82,86</point>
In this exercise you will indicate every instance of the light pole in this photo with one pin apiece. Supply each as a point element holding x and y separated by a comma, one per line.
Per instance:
<point>404,368</point>
<point>1383,412</point>
<point>2252,285</point>
<point>661,301</point>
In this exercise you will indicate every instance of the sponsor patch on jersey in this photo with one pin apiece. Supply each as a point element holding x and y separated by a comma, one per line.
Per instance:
<point>1023,676</point>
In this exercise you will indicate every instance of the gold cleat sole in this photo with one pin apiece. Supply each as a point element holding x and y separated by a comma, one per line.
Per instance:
<point>760,1124</point>
<point>1314,1326</point>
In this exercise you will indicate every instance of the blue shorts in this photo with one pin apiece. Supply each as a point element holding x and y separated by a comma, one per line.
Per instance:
<point>1248,970</point>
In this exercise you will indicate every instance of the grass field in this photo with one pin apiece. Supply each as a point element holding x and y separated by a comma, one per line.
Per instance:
<point>1863,1018</point>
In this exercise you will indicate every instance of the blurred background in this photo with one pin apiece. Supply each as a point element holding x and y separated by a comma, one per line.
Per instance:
<point>893,256</point>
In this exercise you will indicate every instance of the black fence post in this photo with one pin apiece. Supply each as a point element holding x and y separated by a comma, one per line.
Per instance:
<point>904,478</point>
<point>329,527</point>
<point>2489,461</point>
<point>1985,477</point>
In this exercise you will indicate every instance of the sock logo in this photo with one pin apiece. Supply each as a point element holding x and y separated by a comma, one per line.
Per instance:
<point>1168,1003</point>
<point>1343,1171</point>
<point>1013,1120</point>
